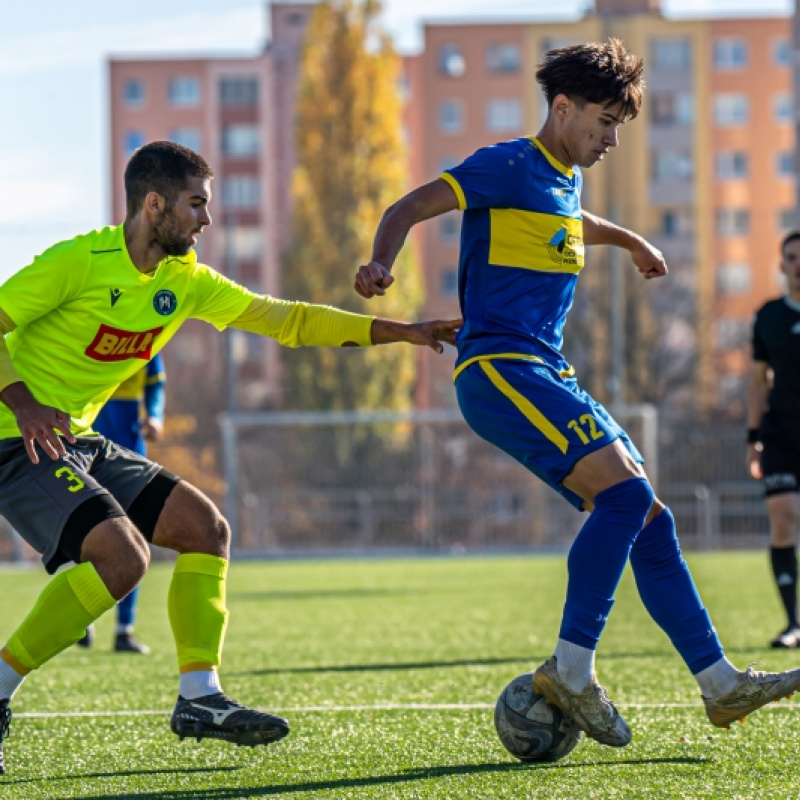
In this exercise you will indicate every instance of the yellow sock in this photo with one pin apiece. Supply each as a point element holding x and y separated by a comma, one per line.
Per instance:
<point>197,609</point>
<point>67,606</point>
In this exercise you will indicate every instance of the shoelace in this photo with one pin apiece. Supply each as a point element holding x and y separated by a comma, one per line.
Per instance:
<point>609,710</point>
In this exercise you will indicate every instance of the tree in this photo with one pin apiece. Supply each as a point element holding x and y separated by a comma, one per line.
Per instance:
<point>351,165</point>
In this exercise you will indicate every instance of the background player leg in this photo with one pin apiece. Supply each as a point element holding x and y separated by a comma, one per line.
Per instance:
<point>784,511</point>
<point>124,640</point>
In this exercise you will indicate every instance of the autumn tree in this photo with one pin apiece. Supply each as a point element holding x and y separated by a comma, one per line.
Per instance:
<point>351,164</point>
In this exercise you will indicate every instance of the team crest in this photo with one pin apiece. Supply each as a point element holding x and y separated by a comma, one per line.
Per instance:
<point>566,248</point>
<point>165,302</point>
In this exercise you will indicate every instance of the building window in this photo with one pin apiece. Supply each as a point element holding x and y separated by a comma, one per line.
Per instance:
<point>786,218</point>
<point>503,115</point>
<point>783,108</point>
<point>451,116</point>
<point>731,109</point>
<point>188,137</point>
<point>734,278</point>
<point>240,140</point>
<point>133,140</point>
<point>672,165</point>
<point>451,61</point>
<point>241,191</point>
<point>503,58</point>
<point>730,53</point>
<point>733,222</point>
<point>733,334</point>
<point>295,20</point>
<point>449,228</point>
<point>183,92</point>
<point>133,93</point>
<point>243,242</point>
<point>782,53</point>
<point>785,164</point>
<point>449,282</point>
<point>671,53</point>
<point>676,223</point>
<point>672,108</point>
<point>731,165</point>
<point>238,90</point>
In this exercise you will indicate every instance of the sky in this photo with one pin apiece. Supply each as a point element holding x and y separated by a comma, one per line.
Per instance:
<point>54,150</point>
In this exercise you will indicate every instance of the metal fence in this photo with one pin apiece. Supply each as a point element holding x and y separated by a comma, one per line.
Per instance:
<point>382,482</point>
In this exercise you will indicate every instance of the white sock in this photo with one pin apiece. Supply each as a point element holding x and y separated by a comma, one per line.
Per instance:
<point>718,679</point>
<point>575,664</point>
<point>199,684</point>
<point>10,680</point>
<point>121,629</point>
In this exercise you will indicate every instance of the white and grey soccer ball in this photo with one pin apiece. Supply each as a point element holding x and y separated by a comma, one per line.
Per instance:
<point>529,727</point>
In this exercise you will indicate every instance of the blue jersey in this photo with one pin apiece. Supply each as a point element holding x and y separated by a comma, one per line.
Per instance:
<point>119,418</point>
<point>521,252</point>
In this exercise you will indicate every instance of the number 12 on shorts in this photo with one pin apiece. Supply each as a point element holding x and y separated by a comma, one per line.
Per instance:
<point>585,428</point>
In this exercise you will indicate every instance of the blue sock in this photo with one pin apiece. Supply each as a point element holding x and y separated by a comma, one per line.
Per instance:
<point>126,609</point>
<point>598,556</point>
<point>669,594</point>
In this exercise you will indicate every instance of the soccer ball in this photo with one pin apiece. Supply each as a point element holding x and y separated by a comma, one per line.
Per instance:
<point>529,727</point>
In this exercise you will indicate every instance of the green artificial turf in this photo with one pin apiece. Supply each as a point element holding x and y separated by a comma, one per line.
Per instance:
<point>367,659</point>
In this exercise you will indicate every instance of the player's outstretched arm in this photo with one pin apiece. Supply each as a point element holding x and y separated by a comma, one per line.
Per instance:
<point>649,260</point>
<point>427,334</point>
<point>37,422</point>
<point>430,200</point>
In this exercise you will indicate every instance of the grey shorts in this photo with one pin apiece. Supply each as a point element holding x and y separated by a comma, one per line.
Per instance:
<point>38,499</point>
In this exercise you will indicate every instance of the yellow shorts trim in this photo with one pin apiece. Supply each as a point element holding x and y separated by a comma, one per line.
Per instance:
<point>491,356</point>
<point>526,408</point>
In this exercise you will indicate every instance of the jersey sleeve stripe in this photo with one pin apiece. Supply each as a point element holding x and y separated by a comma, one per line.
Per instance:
<point>456,187</point>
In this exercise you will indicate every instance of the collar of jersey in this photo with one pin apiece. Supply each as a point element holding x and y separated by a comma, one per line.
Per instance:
<point>795,306</point>
<point>552,160</point>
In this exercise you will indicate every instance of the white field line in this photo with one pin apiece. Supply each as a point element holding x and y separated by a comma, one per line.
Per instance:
<point>373,707</point>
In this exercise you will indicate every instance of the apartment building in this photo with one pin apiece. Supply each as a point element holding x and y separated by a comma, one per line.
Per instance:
<point>706,172</point>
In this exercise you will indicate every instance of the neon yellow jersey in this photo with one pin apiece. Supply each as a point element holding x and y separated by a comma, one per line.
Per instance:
<point>87,319</point>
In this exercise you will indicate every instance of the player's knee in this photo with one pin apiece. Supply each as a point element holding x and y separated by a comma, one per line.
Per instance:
<point>635,495</point>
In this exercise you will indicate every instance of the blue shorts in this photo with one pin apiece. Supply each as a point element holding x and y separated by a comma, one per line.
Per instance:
<point>544,421</point>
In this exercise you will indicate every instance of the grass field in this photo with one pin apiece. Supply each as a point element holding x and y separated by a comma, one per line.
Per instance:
<point>388,672</point>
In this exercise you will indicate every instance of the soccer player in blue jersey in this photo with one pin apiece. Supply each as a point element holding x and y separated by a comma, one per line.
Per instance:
<point>132,417</point>
<point>522,249</point>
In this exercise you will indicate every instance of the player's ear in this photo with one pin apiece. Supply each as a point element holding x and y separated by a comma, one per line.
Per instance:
<point>154,203</point>
<point>561,106</point>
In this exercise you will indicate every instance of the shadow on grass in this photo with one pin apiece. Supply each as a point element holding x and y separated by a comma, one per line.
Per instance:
<point>531,660</point>
<point>380,780</point>
<point>128,773</point>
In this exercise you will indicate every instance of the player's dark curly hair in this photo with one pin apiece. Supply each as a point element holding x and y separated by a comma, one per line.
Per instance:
<point>163,167</point>
<point>790,237</point>
<point>594,72</point>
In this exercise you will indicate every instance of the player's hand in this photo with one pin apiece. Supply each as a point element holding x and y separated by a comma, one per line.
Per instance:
<point>372,279</point>
<point>151,429</point>
<point>649,260</point>
<point>753,462</point>
<point>432,334</point>
<point>39,424</point>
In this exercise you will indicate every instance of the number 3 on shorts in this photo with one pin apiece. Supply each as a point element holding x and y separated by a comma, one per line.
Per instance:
<point>77,483</point>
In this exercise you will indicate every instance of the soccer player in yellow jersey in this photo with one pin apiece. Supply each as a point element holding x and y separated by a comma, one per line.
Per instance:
<point>78,321</point>
<point>523,237</point>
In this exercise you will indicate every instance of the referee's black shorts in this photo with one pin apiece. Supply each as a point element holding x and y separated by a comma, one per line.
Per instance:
<point>780,458</point>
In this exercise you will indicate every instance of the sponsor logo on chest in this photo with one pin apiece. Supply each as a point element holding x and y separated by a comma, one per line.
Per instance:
<point>796,327</point>
<point>115,344</point>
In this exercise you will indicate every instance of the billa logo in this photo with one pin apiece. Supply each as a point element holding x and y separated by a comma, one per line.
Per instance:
<point>113,344</point>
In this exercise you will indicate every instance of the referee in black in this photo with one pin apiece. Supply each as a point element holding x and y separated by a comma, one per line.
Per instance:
<point>773,435</point>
